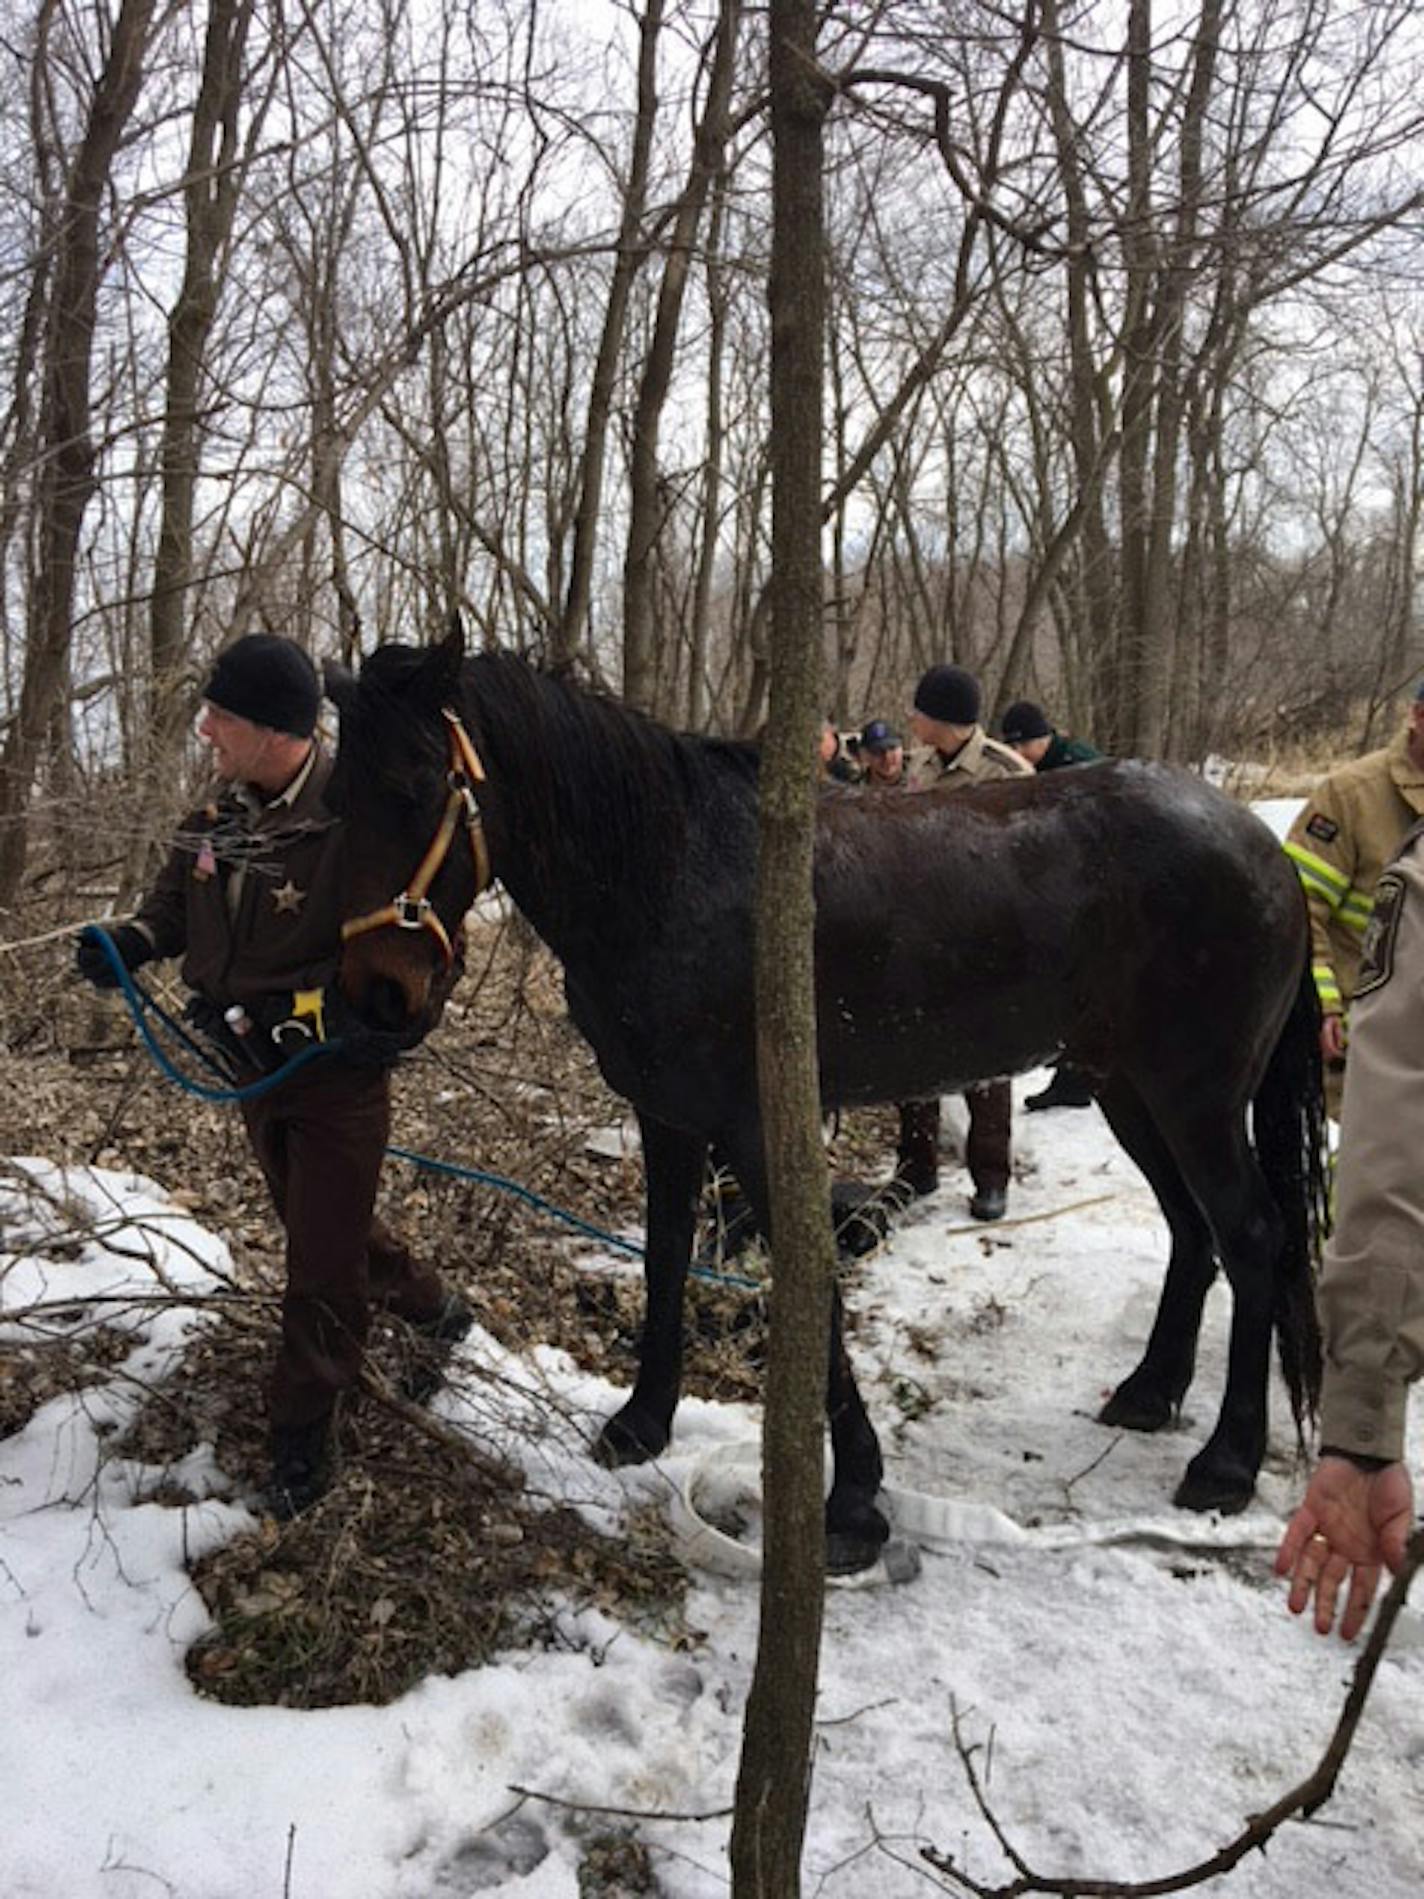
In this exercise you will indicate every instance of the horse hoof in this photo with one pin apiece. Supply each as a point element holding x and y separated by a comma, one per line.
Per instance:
<point>1221,1491</point>
<point>855,1531</point>
<point>1131,1409</point>
<point>847,1554</point>
<point>624,1441</point>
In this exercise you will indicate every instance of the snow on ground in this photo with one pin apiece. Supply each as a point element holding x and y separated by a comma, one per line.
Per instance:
<point>1142,1697</point>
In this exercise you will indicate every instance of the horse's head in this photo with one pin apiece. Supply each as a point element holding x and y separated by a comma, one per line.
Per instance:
<point>404,785</point>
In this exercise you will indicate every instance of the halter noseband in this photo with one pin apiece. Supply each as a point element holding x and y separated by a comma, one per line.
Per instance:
<point>412,909</point>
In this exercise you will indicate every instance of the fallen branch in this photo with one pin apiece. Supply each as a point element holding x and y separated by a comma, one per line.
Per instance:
<point>619,1813</point>
<point>1303,1800</point>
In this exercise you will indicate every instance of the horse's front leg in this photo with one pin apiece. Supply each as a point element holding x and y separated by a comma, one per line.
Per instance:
<point>855,1527</point>
<point>673,1164</point>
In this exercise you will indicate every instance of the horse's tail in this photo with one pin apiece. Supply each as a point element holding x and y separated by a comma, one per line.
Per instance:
<point>1292,1146</point>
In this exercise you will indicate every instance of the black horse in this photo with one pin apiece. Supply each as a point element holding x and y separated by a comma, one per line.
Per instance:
<point>1124,915</point>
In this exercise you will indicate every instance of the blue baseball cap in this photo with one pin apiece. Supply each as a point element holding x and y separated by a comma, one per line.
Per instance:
<point>878,736</point>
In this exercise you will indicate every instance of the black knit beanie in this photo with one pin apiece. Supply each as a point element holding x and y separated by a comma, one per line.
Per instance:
<point>269,680</point>
<point>948,694</point>
<point>1024,720</point>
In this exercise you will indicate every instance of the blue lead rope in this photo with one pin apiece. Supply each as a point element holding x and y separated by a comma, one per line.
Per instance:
<point>142,1005</point>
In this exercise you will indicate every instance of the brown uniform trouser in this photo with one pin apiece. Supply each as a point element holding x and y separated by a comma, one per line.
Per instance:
<point>320,1140</point>
<point>986,1150</point>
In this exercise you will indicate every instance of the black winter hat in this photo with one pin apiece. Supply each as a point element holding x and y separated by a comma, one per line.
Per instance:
<point>1024,720</point>
<point>269,680</point>
<point>948,694</point>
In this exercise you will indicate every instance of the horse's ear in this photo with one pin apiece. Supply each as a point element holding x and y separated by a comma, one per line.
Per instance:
<point>447,656</point>
<point>340,684</point>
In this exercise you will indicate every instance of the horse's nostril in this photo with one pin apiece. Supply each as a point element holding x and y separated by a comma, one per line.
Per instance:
<point>384,1004</point>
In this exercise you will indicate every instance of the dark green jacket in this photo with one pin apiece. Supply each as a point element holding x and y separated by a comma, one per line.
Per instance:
<point>1068,751</point>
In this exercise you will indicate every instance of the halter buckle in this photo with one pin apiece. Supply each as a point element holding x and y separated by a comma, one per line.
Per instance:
<point>460,786</point>
<point>410,912</point>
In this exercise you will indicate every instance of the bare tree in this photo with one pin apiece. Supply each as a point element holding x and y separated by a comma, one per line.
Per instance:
<point>63,441</point>
<point>774,1779</point>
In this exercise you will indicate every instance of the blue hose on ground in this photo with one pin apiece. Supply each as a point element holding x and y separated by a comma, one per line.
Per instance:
<point>142,1005</point>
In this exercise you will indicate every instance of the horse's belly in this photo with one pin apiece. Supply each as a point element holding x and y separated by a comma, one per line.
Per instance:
<point>906,1056</point>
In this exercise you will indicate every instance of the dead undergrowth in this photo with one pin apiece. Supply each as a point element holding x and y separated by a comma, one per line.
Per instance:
<point>425,1557</point>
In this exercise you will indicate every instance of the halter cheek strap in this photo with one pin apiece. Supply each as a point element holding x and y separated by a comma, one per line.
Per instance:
<point>412,909</point>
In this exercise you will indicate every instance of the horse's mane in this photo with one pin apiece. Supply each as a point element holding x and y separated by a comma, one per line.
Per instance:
<point>600,796</point>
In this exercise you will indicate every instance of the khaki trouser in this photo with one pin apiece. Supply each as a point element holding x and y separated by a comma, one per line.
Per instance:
<point>1372,1285</point>
<point>320,1140</point>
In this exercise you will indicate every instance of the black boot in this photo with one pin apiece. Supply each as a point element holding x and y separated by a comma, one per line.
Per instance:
<point>1069,1088</point>
<point>435,1339</point>
<point>302,1456</point>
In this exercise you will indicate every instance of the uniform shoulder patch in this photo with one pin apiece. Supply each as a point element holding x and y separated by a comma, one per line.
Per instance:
<point>1377,951</point>
<point>1319,826</point>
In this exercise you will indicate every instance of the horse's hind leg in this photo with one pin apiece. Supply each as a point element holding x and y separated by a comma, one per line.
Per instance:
<point>1207,1143</point>
<point>1217,1161</point>
<point>1150,1397</point>
<point>673,1163</point>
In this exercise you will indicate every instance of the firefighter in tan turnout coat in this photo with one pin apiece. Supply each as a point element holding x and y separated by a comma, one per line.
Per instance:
<point>1348,830</point>
<point>1358,1508</point>
<point>952,749</point>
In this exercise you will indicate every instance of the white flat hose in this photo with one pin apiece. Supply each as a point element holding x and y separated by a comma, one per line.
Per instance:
<point>726,1481</point>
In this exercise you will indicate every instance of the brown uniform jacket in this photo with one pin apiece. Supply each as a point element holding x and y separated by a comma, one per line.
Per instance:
<point>251,896</point>
<point>978,759</point>
<point>1372,1287</point>
<point>1341,840</point>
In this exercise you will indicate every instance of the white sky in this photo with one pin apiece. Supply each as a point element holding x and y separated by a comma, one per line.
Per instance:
<point>1142,1697</point>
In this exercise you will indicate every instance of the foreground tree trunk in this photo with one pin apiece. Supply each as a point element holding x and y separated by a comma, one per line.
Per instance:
<point>773,1784</point>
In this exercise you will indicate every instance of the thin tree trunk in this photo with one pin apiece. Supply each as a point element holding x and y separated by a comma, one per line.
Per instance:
<point>773,1784</point>
<point>698,693</point>
<point>645,509</point>
<point>67,479</point>
<point>574,619</point>
<point>211,189</point>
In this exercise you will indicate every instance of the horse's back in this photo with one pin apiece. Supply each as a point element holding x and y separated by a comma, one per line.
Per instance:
<point>1126,911</point>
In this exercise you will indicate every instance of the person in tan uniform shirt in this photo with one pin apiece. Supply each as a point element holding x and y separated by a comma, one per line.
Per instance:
<point>1358,1507</point>
<point>952,748</point>
<point>1341,840</point>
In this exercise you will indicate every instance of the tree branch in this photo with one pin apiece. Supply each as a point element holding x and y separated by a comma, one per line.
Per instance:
<point>1304,1799</point>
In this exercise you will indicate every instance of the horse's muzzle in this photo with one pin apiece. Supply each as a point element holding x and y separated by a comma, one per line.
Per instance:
<point>390,988</point>
<point>386,1006</point>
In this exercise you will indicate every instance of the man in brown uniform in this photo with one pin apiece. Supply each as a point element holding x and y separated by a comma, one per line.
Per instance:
<point>1359,1505</point>
<point>251,898</point>
<point>1341,840</point>
<point>952,749</point>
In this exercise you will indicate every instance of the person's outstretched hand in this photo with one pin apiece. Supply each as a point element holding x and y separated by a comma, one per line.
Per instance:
<point>1350,1524</point>
<point>91,959</point>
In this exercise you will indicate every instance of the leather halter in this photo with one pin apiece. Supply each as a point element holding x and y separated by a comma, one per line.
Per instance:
<point>412,909</point>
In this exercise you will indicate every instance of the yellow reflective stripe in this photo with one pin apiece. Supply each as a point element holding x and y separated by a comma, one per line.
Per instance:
<point>1316,874</point>
<point>1327,987</point>
<point>1357,909</point>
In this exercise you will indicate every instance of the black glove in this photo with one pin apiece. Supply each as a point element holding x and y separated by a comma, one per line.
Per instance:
<point>92,961</point>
